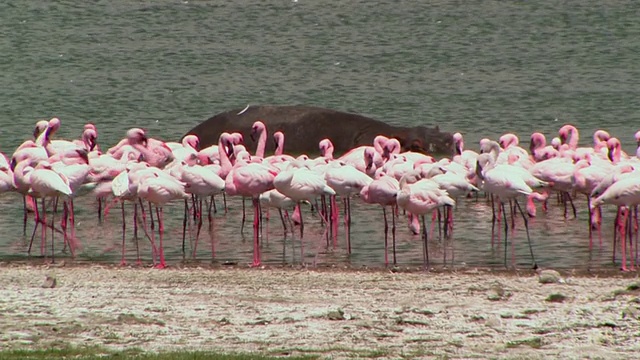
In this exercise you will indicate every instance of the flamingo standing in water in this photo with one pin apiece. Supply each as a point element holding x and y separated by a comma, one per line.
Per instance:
<point>625,194</point>
<point>383,191</point>
<point>346,181</point>
<point>420,198</point>
<point>251,180</point>
<point>507,183</point>
<point>45,182</point>
<point>159,189</point>
<point>302,184</point>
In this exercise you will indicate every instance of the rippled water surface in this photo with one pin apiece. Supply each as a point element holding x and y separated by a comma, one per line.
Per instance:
<point>481,68</point>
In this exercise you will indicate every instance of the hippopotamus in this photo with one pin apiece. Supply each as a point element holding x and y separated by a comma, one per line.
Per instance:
<point>305,126</point>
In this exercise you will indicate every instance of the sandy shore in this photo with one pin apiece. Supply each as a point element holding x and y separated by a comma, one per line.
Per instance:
<point>337,313</point>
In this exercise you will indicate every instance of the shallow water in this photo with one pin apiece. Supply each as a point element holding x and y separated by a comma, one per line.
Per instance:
<point>481,68</point>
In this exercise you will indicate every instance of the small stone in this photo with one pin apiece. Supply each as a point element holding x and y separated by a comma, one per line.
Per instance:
<point>497,292</point>
<point>493,322</point>
<point>549,277</point>
<point>49,282</point>
<point>556,298</point>
<point>631,312</point>
<point>336,315</point>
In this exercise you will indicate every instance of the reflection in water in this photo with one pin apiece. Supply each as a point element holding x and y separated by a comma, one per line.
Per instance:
<point>557,242</point>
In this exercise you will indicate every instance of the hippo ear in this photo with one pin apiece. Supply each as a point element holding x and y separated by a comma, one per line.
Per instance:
<point>437,128</point>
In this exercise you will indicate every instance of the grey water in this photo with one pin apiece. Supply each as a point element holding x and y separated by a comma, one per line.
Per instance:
<point>480,68</point>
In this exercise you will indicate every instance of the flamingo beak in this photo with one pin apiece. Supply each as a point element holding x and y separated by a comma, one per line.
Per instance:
<point>13,163</point>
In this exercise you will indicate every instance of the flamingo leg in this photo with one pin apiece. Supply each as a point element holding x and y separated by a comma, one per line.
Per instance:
<point>630,234</point>
<point>506,230</point>
<point>393,232</point>
<point>623,241</point>
<point>301,231</point>
<point>425,246</point>
<point>284,225</point>
<point>211,233</point>
<point>199,207</point>
<point>35,227</point>
<point>154,250</point>
<point>526,226</point>
<point>184,230</point>
<point>224,200</point>
<point>53,232</point>
<point>99,210</point>
<point>243,217</point>
<point>616,230</point>
<point>63,226</point>
<point>135,232</point>
<point>24,215</point>
<point>162,264</point>
<point>590,220</point>
<point>256,228</point>
<point>386,243</point>
<point>73,240</point>
<point>44,226</point>
<point>493,221</point>
<point>123,261</point>
<point>334,219</point>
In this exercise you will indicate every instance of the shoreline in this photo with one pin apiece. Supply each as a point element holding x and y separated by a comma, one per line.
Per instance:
<point>331,312</point>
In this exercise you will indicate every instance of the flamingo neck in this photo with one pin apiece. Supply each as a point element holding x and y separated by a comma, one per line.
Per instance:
<point>280,147</point>
<point>262,143</point>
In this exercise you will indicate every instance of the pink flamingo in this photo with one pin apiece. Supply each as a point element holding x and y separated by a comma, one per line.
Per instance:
<point>201,182</point>
<point>74,166</point>
<point>420,198</point>
<point>346,181</point>
<point>159,190</point>
<point>302,184</point>
<point>250,180</point>
<point>188,147</point>
<point>507,184</point>
<point>46,182</point>
<point>624,193</point>
<point>40,127</point>
<point>568,134</point>
<point>259,133</point>
<point>383,191</point>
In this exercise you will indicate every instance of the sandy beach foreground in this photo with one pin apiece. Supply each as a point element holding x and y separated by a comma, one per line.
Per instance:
<point>332,313</point>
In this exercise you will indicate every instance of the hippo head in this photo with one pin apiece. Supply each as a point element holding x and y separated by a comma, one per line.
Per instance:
<point>427,140</point>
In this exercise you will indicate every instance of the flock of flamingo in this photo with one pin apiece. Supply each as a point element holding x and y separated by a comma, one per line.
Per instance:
<point>141,170</point>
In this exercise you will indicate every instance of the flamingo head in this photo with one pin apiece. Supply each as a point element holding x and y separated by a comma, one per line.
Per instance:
<point>637,136</point>
<point>458,143</point>
<point>368,158</point>
<point>278,137</point>
<point>565,132</point>
<point>613,145</point>
<point>90,137</point>
<point>41,126</point>
<point>137,136</point>
<point>257,129</point>
<point>192,141</point>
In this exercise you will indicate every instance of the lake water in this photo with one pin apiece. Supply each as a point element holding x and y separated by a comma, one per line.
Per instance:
<point>481,68</point>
